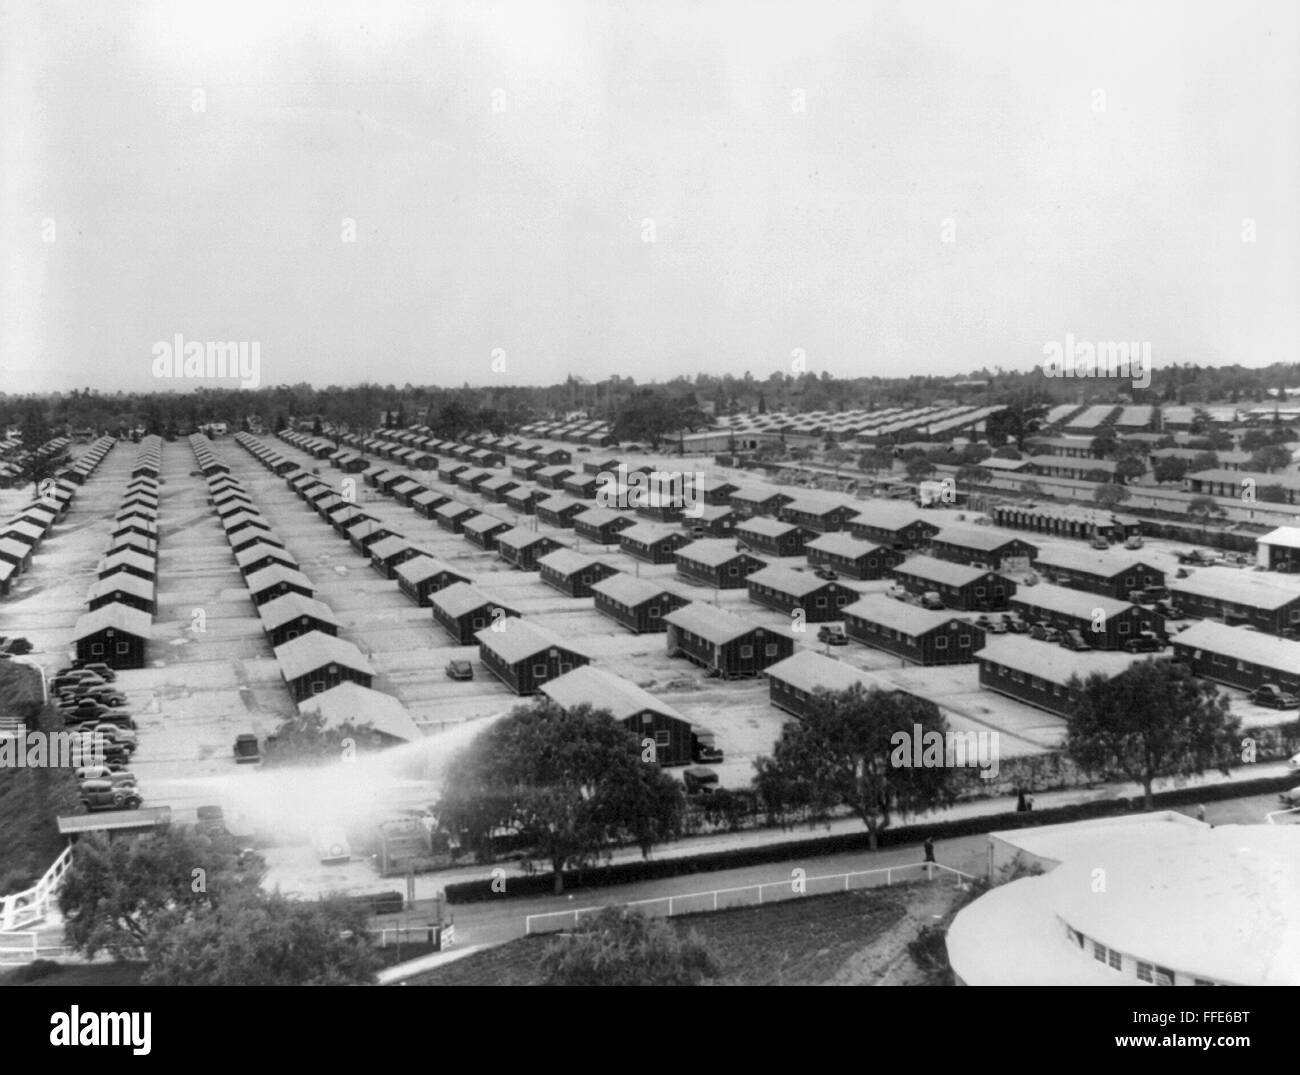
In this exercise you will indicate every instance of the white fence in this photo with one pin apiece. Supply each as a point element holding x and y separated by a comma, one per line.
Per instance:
<point>721,899</point>
<point>24,946</point>
<point>32,905</point>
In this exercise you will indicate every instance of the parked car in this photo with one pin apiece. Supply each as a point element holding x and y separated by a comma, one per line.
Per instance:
<point>1169,610</point>
<point>704,751</point>
<point>1100,543</point>
<point>932,600</point>
<point>825,573</point>
<point>1271,695</point>
<point>98,667</point>
<point>1146,642</point>
<point>332,846</point>
<point>1290,798</point>
<point>1198,558</point>
<point>1134,541</point>
<point>106,772</point>
<point>103,795</point>
<point>247,748</point>
<point>1293,763</point>
<point>1073,639</point>
<point>832,634</point>
<point>114,734</point>
<point>210,821</point>
<point>898,593</point>
<point>699,780</point>
<point>1044,633</point>
<point>1014,624</point>
<point>1148,595</point>
<point>459,670</point>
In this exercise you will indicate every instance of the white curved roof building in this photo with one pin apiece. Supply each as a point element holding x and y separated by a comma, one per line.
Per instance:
<point>1133,901</point>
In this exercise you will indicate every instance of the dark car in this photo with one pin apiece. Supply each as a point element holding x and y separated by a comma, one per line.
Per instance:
<point>704,751</point>
<point>1015,625</point>
<point>210,821</point>
<point>1169,610</point>
<point>826,573</point>
<point>832,634</point>
<point>1073,639</point>
<point>104,795</point>
<point>459,670</point>
<point>699,780</point>
<point>1044,633</point>
<point>1271,695</point>
<point>1146,642</point>
<point>247,748</point>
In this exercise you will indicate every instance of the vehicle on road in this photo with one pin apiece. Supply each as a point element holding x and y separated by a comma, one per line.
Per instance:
<point>832,634</point>
<point>1015,624</point>
<point>1146,642</point>
<point>1169,610</point>
<point>332,847</point>
<point>103,795</point>
<point>1100,543</point>
<point>1270,694</point>
<point>898,593</point>
<point>1043,632</point>
<point>1134,541</point>
<point>704,750</point>
<point>932,600</point>
<point>106,772</point>
<point>459,670</point>
<point>1148,595</point>
<point>247,748</point>
<point>1290,798</point>
<point>1198,558</point>
<point>825,573</point>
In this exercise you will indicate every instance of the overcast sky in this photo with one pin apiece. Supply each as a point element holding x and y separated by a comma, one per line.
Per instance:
<point>169,168</point>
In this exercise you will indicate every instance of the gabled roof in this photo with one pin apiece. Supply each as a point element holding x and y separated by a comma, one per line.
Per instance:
<point>1051,662</point>
<point>1288,536</point>
<point>520,640</point>
<point>255,552</point>
<point>485,523</point>
<point>599,689</point>
<point>1267,590</point>
<point>124,581</point>
<point>419,568</point>
<point>306,653</point>
<point>899,615</point>
<point>351,703</point>
<point>120,617</point>
<point>711,552</point>
<point>814,504</point>
<point>1105,565</point>
<point>292,606</point>
<point>983,538</point>
<point>787,580</point>
<point>1077,603</point>
<point>462,597</point>
<point>766,527</point>
<point>566,561</point>
<point>709,622</point>
<point>932,569</point>
<point>521,537</point>
<point>598,517</point>
<point>810,671</point>
<point>841,543</point>
<point>1241,644</point>
<point>890,515</point>
<point>649,533</point>
<point>630,590</point>
<point>273,574</point>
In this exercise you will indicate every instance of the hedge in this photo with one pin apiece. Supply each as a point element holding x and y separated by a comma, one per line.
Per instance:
<point>631,872</point>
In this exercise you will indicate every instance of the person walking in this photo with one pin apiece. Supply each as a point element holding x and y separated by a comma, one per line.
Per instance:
<point>929,849</point>
<point>1021,807</point>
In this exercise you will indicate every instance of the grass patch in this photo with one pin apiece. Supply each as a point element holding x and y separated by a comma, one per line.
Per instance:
<point>30,799</point>
<point>795,942</point>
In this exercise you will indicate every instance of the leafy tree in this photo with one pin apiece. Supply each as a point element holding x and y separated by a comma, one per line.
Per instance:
<point>845,753</point>
<point>316,428</point>
<point>1271,494</point>
<point>573,782</point>
<point>1153,720</point>
<point>1255,439</point>
<point>1103,444</point>
<point>919,468</point>
<point>1031,488</point>
<point>1007,451</point>
<point>976,475</point>
<point>1108,495</point>
<point>837,457</point>
<point>653,416</point>
<point>1129,468</point>
<point>618,947</point>
<point>118,892</point>
<point>37,465</point>
<point>304,739</point>
<point>1169,468</point>
<point>874,460</point>
<point>1269,458</point>
<point>266,940</point>
<point>1204,509</point>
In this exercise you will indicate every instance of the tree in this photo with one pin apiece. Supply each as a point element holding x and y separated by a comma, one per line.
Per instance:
<point>266,940</point>
<point>118,892</point>
<point>919,468</point>
<point>1203,461</point>
<point>874,460</point>
<point>1269,458</point>
<point>1255,439</point>
<point>1031,488</point>
<point>975,475</point>
<point>1129,468</point>
<point>1103,444</point>
<point>316,427</point>
<point>304,739</point>
<point>37,465</point>
<point>1153,720</point>
<point>619,947</point>
<point>1205,508</point>
<point>837,457</point>
<point>573,782</point>
<point>651,416</point>
<point>1271,494</point>
<point>845,752</point>
<point>1007,451</point>
<point>1169,468</point>
<point>1108,495</point>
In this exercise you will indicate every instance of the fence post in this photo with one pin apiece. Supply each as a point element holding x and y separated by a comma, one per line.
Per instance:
<point>889,877</point>
<point>715,899</point>
<point>846,882</point>
<point>670,906</point>
<point>760,893</point>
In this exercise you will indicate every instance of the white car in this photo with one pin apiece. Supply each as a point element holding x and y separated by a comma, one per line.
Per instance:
<point>1293,763</point>
<point>332,846</point>
<point>1290,798</point>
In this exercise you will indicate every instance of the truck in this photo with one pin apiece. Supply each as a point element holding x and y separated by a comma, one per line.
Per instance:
<point>247,749</point>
